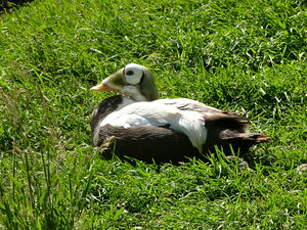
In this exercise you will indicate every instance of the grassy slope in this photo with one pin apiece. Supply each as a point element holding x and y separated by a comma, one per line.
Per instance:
<point>241,55</point>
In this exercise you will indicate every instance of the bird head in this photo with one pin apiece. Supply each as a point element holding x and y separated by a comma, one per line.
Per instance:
<point>134,81</point>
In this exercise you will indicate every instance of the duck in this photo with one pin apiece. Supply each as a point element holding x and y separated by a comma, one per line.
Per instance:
<point>142,126</point>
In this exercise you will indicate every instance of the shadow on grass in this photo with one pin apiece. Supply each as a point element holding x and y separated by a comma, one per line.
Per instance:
<point>10,5</point>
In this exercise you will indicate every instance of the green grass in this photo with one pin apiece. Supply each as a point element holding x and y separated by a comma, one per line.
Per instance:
<point>247,56</point>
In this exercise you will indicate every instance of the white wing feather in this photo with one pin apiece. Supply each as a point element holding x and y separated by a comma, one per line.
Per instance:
<point>187,104</point>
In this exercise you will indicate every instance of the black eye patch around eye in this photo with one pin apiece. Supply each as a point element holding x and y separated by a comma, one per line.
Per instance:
<point>129,72</point>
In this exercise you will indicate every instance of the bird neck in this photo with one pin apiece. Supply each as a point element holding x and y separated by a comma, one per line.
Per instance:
<point>139,97</point>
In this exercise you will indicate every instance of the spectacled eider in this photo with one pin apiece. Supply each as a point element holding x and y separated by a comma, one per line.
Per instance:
<point>149,128</point>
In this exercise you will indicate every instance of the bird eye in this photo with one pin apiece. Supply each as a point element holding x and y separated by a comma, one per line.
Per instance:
<point>129,72</point>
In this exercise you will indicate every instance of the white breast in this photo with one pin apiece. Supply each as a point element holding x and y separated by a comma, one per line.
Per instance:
<point>156,113</point>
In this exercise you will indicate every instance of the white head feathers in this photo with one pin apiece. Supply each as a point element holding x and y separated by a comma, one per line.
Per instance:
<point>133,73</point>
